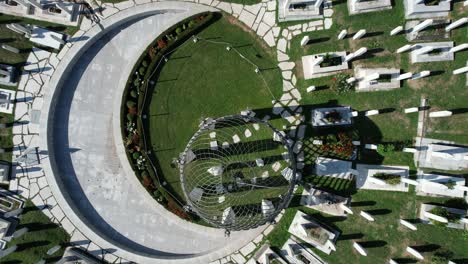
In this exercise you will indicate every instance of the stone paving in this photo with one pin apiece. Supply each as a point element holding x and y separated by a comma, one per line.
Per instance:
<point>30,180</point>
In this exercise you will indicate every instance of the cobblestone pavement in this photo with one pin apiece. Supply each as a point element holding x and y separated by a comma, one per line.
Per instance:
<point>80,132</point>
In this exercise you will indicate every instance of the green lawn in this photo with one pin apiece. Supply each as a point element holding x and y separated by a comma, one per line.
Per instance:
<point>444,90</point>
<point>385,238</point>
<point>205,80</point>
<point>42,236</point>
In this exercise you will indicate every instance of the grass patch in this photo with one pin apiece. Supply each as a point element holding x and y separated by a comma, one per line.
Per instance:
<point>383,239</point>
<point>202,80</point>
<point>444,90</point>
<point>42,236</point>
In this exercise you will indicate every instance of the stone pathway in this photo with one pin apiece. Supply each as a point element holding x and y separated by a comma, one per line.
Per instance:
<point>30,181</point>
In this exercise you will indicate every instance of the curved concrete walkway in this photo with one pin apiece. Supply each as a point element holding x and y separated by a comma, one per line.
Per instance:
<point>95,189</point>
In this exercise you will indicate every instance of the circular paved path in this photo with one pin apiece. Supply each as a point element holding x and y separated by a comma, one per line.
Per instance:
<point>87,169</point>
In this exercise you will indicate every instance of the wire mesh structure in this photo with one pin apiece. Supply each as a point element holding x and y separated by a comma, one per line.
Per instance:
<point>237,172</point>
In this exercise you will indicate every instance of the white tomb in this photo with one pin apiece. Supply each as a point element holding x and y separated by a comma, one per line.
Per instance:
<point>426,8</point>
<point>387,79</point>
<point>332,116</point>
<point>7,75</point>
<point>64,12</point>
<point>47,38</point>
<point>7,101</point>
<point>332,63</point>
<point>440,185</point>
<point>293,10</point>
<point>313,232</point>
<point>361,6</point>
<point>432,51</point>
<point>326,202</point>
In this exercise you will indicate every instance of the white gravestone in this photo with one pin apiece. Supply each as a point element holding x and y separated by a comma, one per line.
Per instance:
<point>346,209</point>
<point>405,76</point>
<point>414,252</point>
<point>457,23</point>
<point>372,112</point>
<point>371,146</point>
<point>426,23</point>
<point>409,181</point>
<point>396,30</point>
<point>436,217</point>
<point>342,34</point>
<point>351,80</point>
<point>359,34</point>
<point>310,89</point>
<point>423,50</point>
<point>440,114</point>
<point>460,70</point>
<point>408,225</point>
<point>420,75</point>
<point>304,41</point>
<point>404,48</point>
<point>367,216</point>
<point>459,47</point>
<point>360,249</point>
<point>410,150</point>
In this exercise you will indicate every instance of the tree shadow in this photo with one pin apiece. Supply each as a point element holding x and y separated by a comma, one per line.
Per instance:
<point>363,203</point>
<point>373,34</point>
<point>404,260</point>
<point>426,248</point>
<point>461,261</point>
<point>378,212</point>
<point>29,245</point>
<point>351,236</point>
<point>413,221</point>
<point>457,111</point>
<point>372,243</point>
<point>318,40</point>
<point>37,226</point>
<point>435,73</point>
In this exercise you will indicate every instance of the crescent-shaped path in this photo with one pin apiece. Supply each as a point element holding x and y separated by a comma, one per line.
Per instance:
<point>87,169</point>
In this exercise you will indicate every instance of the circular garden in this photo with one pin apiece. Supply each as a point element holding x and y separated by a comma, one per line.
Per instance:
<point>206,66</point>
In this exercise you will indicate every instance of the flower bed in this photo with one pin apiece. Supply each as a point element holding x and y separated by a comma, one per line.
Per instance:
<point>338,145</point>
<point>132,115</point>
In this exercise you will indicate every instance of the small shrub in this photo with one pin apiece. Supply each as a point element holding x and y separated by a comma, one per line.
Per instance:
<point>131,104</point>
<point>192,23</point>
<point>133,93</point>
<point>158,195</point>
<point>144,63</point>
<point>440,211</point>
<point>178,30</point>
<point>458,203</point>
<point>339,84</point>
<point>383,149</point>
<point>147,182</point>
<point>130,117</point>
<point>136,155</point>
<point>142,70</point>
<point>152,51</point>
<point>136,82</point>
<point>450,184</point>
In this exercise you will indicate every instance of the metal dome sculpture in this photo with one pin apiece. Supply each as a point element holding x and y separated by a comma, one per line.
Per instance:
<point>237,172</point>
